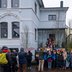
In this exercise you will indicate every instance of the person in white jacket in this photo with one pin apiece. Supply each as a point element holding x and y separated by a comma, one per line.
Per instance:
<point>64,58</point>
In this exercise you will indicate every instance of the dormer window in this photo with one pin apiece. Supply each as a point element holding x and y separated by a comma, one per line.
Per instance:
<point>14,3</point>
<point>3,3</point>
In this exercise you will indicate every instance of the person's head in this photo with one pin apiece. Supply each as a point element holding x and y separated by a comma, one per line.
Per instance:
<point>14,50</point>
<point>49,52</point>
<point>71,51</point>
<point>22,50</point>
<point>5,49</point>
<point>54,51</point>
<point>29,52</point>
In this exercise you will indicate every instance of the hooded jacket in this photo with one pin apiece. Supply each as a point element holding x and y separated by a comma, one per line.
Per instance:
<point>22,57</point>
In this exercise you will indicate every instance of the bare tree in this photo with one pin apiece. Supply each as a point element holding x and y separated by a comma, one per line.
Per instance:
<point>24,37</point>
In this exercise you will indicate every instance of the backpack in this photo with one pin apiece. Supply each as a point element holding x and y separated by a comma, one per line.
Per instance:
<point>3,59</point>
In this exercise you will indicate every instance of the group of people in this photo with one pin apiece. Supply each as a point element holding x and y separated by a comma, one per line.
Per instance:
<point>54,59</point>
<point>17,61</point>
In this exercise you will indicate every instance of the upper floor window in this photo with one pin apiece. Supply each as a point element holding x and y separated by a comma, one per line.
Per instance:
<point>3,30</point>
<point>15,30</point>
<point>3,3</point>
<point>35,8</point>
<point>52,17</point>
<point>14,3</point>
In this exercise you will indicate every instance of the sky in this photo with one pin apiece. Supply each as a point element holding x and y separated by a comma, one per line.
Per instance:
<point>56,3</point>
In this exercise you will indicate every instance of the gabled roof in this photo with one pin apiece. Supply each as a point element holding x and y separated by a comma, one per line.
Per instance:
<point>40,3</point>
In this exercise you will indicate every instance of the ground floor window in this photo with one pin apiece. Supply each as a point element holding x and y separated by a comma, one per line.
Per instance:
<point>3,29</point>
<point>15,30</point>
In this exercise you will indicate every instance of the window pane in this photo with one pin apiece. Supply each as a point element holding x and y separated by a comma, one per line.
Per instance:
<point>15,3</point>
<point>0,3</point>
<point>3,3</point>
<point>52,17</point>
<point>15,29</point>
<point>3,29</point>
<point>35,8</point>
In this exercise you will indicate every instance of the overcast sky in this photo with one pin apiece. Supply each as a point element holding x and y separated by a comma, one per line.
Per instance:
<point>56,3</point>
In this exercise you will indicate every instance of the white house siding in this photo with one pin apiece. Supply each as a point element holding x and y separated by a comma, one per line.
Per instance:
<point>60,21</point>
<point>25,14</point>
<point>27,17</point>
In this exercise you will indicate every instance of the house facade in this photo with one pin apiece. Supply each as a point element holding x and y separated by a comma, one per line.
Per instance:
<point>28,24</point>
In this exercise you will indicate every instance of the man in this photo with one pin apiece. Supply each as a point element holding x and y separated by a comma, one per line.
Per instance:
<point>41,60</point>
<point>22,61</point>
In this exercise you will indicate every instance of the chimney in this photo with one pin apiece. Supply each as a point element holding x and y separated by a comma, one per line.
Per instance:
<point>61,4</point>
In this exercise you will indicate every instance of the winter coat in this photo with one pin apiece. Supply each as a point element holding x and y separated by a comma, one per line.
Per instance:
<point>22,58</point>
<point>41,55</point>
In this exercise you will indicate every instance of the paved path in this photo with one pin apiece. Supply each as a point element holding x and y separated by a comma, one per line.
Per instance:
<point>34,69</point>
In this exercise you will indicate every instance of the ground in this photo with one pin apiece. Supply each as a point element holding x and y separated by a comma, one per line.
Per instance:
<point>34,69</point>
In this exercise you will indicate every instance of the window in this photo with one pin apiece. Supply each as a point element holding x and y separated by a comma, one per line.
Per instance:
<point>35,33</point>
<point>3,30</point>
<point>15,30</point>
<point>3,3</point>
<point>35,8</point>
<point>14,3</point>
<point>52,17</point>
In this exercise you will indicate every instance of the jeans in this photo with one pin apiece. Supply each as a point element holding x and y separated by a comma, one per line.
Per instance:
<point>49,65</point>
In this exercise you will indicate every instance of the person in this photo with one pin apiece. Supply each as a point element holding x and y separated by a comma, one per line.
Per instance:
<point>64,58</point>
<point>22,61</point>
<point>7,67</point>
<point>54,57</point>
<point>41,60</point>
<point>1,69</point>
<point>29,59</point>
<point>49,58</point>
<point>14,60</point>
<point>45,59</point>
<point>60,60</point>
<point>70,59</point>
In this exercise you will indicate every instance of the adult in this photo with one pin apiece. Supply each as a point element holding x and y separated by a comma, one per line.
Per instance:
<point>29,59</point>
<point>7,67</point>
<point>70,59</point>
<point>22,60</point>
<point>14,60</point>
<point>41,60</point>
<point>64,58</point>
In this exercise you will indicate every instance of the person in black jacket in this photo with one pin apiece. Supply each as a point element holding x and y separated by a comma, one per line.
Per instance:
<point>29,59</point>
<point>14,61</point>
<point>22,60</point>
<point>60,60</point>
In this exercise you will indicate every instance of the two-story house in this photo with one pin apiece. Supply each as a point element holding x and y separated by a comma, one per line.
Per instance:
<point>27,23</point>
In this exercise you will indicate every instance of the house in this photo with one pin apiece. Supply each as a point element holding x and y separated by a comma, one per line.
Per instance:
<point>28,24</point>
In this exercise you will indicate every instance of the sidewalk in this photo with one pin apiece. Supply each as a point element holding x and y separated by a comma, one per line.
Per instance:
<point>34,69</point>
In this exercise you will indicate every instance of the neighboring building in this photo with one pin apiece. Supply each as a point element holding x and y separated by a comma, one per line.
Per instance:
<point>26,23</point>
<point>69,31</point>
